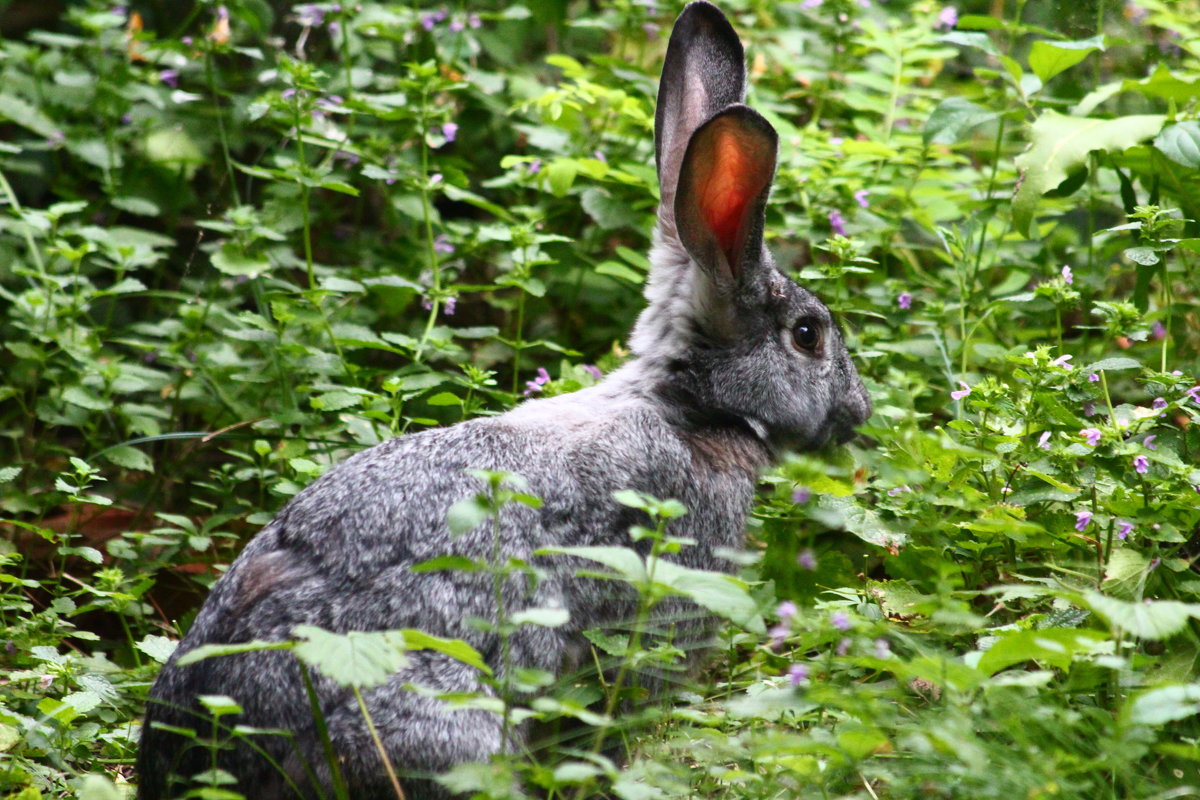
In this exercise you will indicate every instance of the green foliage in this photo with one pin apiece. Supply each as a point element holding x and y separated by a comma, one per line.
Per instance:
<point>240,243</point>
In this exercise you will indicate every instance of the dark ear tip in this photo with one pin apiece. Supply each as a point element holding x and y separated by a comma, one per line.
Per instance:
<point>702,13</point>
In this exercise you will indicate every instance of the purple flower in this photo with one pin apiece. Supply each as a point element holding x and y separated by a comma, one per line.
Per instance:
<point>801,495</point>
<point>435,179</point>
<point>1093,378</point>
<point>428,22</point>
<point>451,303</point>
<point>807,559</point>
<point>904,300</point>
<point>1141,464</point>
<point>1135,13</point>
<point>537,383</point>
<point>1062,360</point>
<point>309,15</point>
<point>534,167</point>
<point>837,222</point>
<point>896,491</point>
<point>840,620</point>
<point>1123,529</point>
<point>1082,520</point>
<point>457,25</point>
<point>187,40</point>
<point>1159,403</point>
<point>1067,276</point>
<point>170,77</point>
<point>1148,442</point>
<point>474,21</point>
<point>786,610</point>
<point>882,648</point>
<point>861,198</point>
<point>1092,435</point>
<point>599,156</point>
<point>949,17</point>
<point>287,94</point>
<point>450,131</point>
<point>56,139</point>
<point>1194,393</point>
<point>797,674</point>
<point>1089,409</point>
<point>1044,440</point>
<point>778,636</point>
<point>593,370</point>
<point>1158,331</point>
<point>961,393</point>
<point>331,103</point>
<point>843,645</point>
<point>441,244</point>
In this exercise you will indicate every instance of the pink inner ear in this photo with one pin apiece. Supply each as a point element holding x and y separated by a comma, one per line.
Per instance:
<point>732,175</point>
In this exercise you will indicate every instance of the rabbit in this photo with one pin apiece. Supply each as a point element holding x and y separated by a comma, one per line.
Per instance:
<point>732,365</point>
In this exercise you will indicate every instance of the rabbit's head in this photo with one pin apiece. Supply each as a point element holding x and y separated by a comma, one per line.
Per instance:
<point>728,333</point>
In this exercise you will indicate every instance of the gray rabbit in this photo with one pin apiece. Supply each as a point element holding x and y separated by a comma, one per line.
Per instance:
<point>733,364</point>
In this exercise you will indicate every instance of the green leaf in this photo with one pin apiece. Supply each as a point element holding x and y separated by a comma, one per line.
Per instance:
<point>615,269</point>
<point>625,562</point>
<point>455,648</point>
<point>219,704</point>
<point>352,659</point>
<point>85,398</point>
<point>721,594</point>
<point>98,787</point>
<point>545,617</point>
<point>466,515</point>
<point>1163,704</point>
<point>1145,256</point>
<point>1113,364</point>
<point>1060,143</point>
<point>1055,647</point>
<point>1149,619</point>
<point>1181,143</point>
<point>953,119</point>
<point>1047,58</point>
<point>561,175</point>
<point>204,651</point>
<point>159,648</point>
<point>129,458</point>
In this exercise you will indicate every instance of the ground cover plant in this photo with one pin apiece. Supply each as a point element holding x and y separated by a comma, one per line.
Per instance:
<point>240,241</point>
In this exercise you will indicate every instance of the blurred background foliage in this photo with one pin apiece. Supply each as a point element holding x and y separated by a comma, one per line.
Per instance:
<point>239,241</point>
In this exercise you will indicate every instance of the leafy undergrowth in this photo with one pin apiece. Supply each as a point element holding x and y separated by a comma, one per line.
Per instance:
<point>242,241</point>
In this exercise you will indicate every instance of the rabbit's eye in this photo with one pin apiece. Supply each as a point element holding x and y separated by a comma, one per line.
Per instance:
<point>807,334</point>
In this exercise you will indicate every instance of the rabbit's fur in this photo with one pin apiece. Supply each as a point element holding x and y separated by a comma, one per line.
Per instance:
<point>720,383</point>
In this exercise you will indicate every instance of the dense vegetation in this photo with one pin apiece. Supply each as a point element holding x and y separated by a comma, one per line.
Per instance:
<point>240,241</point>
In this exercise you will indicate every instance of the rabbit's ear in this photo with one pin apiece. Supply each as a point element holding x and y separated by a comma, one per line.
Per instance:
<point>724,181</point>
<point>703,73</point>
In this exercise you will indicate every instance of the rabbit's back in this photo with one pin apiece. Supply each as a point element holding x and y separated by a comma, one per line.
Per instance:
<point>339,557</point>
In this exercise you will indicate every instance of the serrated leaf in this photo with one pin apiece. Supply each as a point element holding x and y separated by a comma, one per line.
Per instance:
<point>352,659</point>
<point>7,474</point>
<point>1181,143</point>
<point>1048,58</point>
<point>1059,143</point>
<point>1146,256</point>
<point>159,648</point>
